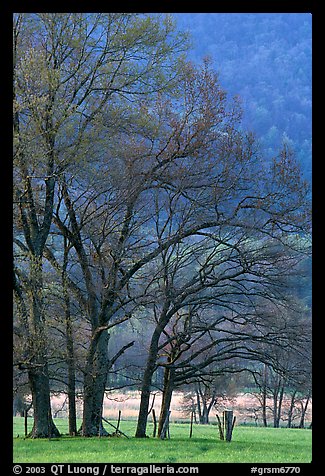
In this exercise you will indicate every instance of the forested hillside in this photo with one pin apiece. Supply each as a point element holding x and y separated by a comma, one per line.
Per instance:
<point>266,60</point>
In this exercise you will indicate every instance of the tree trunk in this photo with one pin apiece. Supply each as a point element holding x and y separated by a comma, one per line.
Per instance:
<point>205,415</point>
<point>165,427</point>
<point>146,384</point>
<point>18,405</point>
<point>279,409</point>
<point>38,370</point>
<point>278,392</point>
<point>94,386</point>
<point>43,424</point>
<point>72,395</point>
<point>70,348</point>
<point>264,396</point>
<point>291,409</point>
<point>198,403</point>
<point>303,412</point>
<point>145,398</point>
<point>166,399</point>
<point>203,406</point>
<point>275,409</point>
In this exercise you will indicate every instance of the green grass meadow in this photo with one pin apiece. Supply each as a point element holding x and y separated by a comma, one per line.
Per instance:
<point>249,445</point>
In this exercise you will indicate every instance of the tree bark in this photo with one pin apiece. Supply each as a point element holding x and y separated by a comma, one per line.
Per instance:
<point>146,383</point>
<point>279,407</point>
<point>204,407</point>
<point>145,396</point>
<point>166,399</point>
<point>94,386</point>
<point>198,403</point>
<point>304,411</point>
<point>71,385</point>
<point>43,423</point>
<point>291,408</point>
<point>165,427</point>
<point>70,347</point>
<point>205,415</point>
<point>38,367</point>
<point>264,396</point>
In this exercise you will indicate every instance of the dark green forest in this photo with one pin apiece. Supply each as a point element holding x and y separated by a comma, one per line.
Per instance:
<point>266,60</point>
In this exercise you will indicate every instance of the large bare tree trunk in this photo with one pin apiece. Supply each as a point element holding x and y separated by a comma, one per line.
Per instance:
<point>95,376</point>
<point>43,424</point>
<point>94,386</point>
<point>38,368</point>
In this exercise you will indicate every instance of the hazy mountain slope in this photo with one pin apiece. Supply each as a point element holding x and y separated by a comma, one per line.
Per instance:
<point>266,59</point>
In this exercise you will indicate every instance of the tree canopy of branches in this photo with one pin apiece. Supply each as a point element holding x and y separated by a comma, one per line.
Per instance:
<point>134,182</point>
<point>71,73</point>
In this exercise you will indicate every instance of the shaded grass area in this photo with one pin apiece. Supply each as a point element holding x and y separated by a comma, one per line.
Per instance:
<point>249,445</point>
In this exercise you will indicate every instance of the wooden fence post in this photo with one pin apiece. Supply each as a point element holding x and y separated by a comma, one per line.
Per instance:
<point>221,435</point>
<point>118,421</point>
<point>154,419</point>
<point>229,422</point>
<point>227,425</point>
<point>191,428</point>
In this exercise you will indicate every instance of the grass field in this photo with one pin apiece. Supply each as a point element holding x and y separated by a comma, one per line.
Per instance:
<point>249,445</point>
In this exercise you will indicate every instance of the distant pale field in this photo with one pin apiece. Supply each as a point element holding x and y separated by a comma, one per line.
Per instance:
<point>128,403</point>
<point>249,445</point>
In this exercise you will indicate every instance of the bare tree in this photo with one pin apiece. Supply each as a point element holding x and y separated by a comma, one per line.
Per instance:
<point>288,373</point>
<point>207,393</point>
<point>139,167</point>
<point>229,325</point>
<point>68,68</point>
